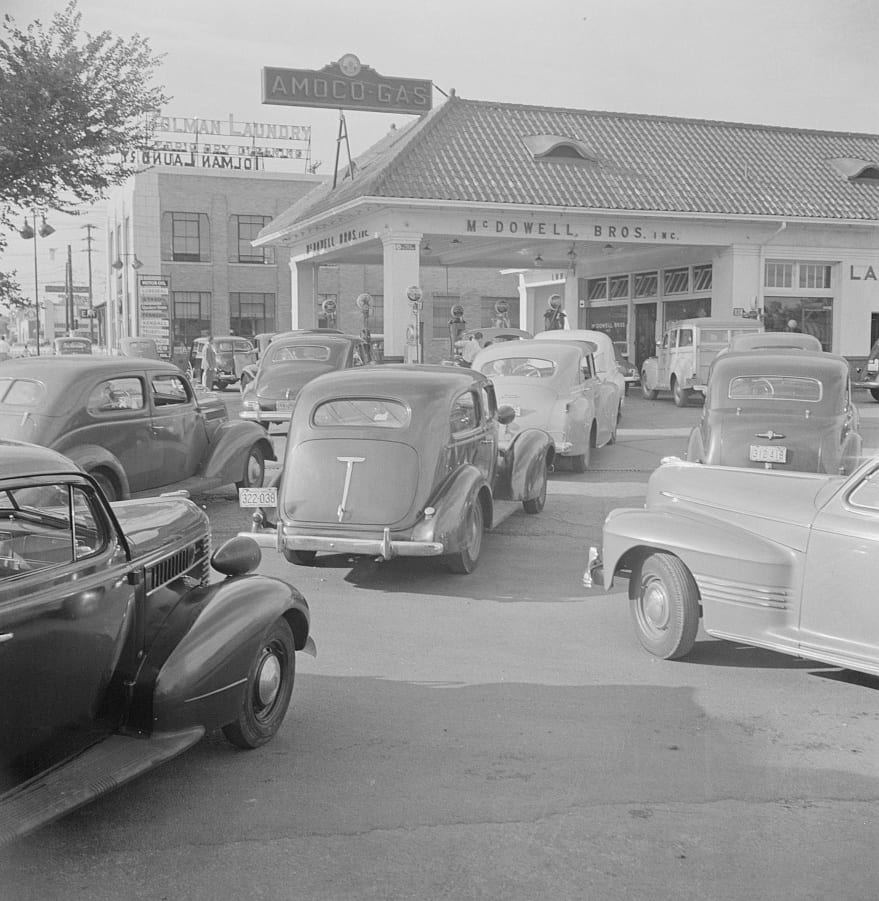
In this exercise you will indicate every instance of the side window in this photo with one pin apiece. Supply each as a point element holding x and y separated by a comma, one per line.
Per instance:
<point>112,395</point>
<point>587,366</point>
<point>685,337</point>
<point>47,526</point>
<point>666,340</point>
<point>169,389</point>
<point>866,494</point>
<point>489,401</point>
<point>465,413</point>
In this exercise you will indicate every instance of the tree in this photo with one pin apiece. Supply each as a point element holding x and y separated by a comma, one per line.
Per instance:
<point>69,103</point>
<point>11,297</point>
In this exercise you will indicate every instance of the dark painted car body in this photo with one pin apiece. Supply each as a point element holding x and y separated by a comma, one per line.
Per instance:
<point>118,649</point>
<point>264,339</point>
<point>777,560</point>
<point>786,409</point>
<point>290,362</point>
<point>866,374</point>
<point>72,345</point>
<point>139,347</point>
<point>135,424</point>
<point>233,354</point>
<point>402,460</point>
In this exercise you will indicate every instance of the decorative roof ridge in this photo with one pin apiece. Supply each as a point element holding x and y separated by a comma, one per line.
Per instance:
<point>666,118</point>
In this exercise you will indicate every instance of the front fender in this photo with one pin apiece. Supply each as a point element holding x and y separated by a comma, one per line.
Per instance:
<point>197,667</point>
<point>90,457</point>
<point>524,460</point>
<point>231,445</point>
<point>704,546</point>
<point>448,524</point>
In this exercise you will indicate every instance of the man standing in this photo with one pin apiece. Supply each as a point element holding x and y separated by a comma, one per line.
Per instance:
<point>5,349</point>
<point>472,346</point>
<point>209,364</point>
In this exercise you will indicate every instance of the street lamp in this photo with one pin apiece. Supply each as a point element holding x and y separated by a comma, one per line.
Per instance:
<point>27,232</point>
<point>118,265</point>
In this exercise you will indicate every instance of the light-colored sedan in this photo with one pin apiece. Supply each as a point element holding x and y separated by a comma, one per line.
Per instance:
<point>554,386</point>
<point>606,365</point>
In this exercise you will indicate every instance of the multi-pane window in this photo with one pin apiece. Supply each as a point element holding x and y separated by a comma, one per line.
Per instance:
<point>243,230</point>
<point>645,284</point>
<point>779,275</point>
<point>814,275</point>
<point>191,315</point>
<point>702,277</point>
<point>676,281</point>
<point>619,286</point>
<point>186,238</point>
<point>251,313</point>
<point>596,289</point>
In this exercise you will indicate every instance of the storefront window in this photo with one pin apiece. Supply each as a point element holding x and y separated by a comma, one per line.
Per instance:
<point>693,308</point>
<point>811,315</point>
<point>613,320</point>
<point>645,284</point>
<point>191,316</point>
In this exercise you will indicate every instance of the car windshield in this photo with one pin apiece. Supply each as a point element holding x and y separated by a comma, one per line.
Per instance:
<point>362,411</point>
<point>775,387</point>
<point>288,353</point>
<point>518,367</point>
<point>228,347</point>
<point>21,392</point>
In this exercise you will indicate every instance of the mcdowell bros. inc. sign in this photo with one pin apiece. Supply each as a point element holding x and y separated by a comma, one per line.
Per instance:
<point>346,84</point>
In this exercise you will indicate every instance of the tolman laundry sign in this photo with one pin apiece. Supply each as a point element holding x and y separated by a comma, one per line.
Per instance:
<point>346,84</point>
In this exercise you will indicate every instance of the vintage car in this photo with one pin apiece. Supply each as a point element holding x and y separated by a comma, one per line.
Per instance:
<point>779,560</point>
<point>118,648</point>
<point>134,424</point>
<point>292,360</point>
<point>553,385</point>
<point>685,354</point>
<point>139,347</point>
<point>786,409</point>
<point>401,460</point>
<point>774,341</point>
<point>72,345</point>
<point>489,335</point>
<point>264,339</point>
<point>233,355</point>
<point>866,374</point>
<point>606,365</point>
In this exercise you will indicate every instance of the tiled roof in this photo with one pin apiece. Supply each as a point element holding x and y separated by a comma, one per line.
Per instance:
<point>473,151</point>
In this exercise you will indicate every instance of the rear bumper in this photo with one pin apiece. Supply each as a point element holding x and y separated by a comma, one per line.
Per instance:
<point>265,416</point>
<point>385,548</point>
<point>594,575</point>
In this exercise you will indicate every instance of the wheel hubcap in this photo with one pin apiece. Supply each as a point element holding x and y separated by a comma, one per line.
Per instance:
<point>253,469</point>
<point>268,679</point>
<point>655,607</point>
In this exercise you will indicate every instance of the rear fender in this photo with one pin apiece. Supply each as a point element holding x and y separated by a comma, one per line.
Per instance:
<point>195,672</point>
<point>231,444</point>
<point>448,524</point>
<point>524,461</point>
<point>90,457</point>
<point>704,546</point>
<point>650,373</point>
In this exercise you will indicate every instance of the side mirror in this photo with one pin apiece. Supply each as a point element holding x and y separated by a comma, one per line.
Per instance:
<point>505,414</point>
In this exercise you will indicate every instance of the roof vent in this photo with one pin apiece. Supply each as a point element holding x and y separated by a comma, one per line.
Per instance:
<point>559,148</point>
<point>856,169</point>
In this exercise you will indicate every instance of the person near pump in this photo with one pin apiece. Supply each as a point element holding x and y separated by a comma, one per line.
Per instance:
<point>209,364</point>
<point>472,346</point>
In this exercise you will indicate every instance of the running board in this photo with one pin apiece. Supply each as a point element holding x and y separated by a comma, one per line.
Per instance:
<point>95,772</point>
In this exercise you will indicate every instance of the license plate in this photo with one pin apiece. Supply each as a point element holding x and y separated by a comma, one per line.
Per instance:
<point>872,365</point>
<point>258,497</point>
<point>285,406</point>
<point>768,453</point>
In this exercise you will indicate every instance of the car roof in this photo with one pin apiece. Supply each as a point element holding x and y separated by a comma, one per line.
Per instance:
<point>557,350</point>
<point>789,361</point>
<point>775,341</point>
<point>52,368</point>
<point>18,458</point>
<point>314,337</point>
<point>710,322</point>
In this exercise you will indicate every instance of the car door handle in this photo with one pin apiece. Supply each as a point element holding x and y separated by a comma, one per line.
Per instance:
<point>5,636</point>
<point>159,430</point>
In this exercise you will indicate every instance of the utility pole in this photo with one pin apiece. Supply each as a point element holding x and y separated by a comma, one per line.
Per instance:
<point>68,306</point>
<point>88,241</point>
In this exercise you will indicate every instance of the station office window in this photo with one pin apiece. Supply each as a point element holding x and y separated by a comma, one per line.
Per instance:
<point>242,230</point>
<point>798,296</point>
<point>251,314</point>
<point>186,238</point>
<point>191,311</point>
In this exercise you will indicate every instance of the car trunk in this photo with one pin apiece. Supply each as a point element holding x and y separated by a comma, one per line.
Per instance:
<point>357,482</point>
<point>802,440</point>
<point>278,381</point>
<point>533,403</point>
<point>20,424</point>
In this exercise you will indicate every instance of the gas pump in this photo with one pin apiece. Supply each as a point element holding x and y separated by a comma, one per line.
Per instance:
<point>414,350</point>
<point>502,314</point>
<point>328,307</point>
<point>364,304</point>
<point>554,317</point>
<point>457,326</point>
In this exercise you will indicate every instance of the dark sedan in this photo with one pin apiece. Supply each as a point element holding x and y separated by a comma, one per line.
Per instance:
<point>134,424</point>
<point>788,409</point>
<point>290,362</point>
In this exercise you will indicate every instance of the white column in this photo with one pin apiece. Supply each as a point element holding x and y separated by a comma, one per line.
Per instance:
<point>401,269</point>
<point>572,302</point>
<point>303,294</point>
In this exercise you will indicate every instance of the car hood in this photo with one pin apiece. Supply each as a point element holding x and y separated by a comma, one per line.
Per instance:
<point>285,381</point>
<point>534,403</point>
<point>153,524</point>
<point>812,444</point>
<point>349,482</point>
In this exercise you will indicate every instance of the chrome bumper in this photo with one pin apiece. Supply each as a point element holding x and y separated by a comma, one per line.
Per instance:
<point>384,548</point>
<point>593,577</point>
<point>266,415</point>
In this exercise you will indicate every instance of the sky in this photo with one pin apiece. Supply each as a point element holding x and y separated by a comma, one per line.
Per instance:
<point>801,63</point>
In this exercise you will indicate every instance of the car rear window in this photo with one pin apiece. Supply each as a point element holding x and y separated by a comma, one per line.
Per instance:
<point>518,367</point>
<point>374,412</point>
<point>21,392</point>
<point>290,352</point>
<point>775,387</point>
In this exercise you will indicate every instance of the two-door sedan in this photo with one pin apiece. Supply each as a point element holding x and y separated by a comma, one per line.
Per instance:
<point>134,424</point>
<point>401,460</point>
<point>784,409</point>
<point>118,648</point>
<point>554,386</point>
<point>778,560</point>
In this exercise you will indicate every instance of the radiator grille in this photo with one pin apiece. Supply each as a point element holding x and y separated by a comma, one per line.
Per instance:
<point>192,561</point>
